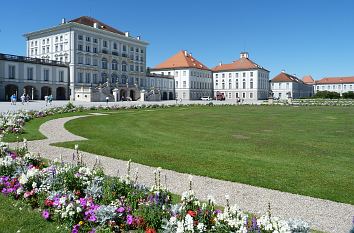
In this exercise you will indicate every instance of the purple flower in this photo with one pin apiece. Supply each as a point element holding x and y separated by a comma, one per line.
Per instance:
<point>45,214</point>
<point>120,210</point>
<point>92,218</point>
<point>129,219</point>
<point>92,231</point>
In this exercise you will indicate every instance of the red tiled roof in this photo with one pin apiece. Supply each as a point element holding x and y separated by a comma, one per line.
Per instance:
<point>308,79</point>
<point>284,77</point>
<point>86,20</point>
<point>181,60</point>
<point>240,64</point>
<point>334,80</point>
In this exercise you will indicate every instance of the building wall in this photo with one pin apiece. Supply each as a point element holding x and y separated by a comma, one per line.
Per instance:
<point>190,83</point>
<point>23,80</point>
<point>281,90</point>
<point>87,50</point>
<point>338,87</point>
<point>243,84</point>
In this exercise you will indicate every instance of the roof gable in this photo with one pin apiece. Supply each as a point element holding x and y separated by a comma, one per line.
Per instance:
<point>88,21</point>
<point>181,60</point>
<point>334,80</point>
<point>284,77</point>
<point>241,64</point>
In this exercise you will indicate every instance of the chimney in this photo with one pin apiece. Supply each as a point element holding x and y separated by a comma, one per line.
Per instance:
<point>190,54</point>
<point>243,55</point>
<point>283,71</point>
<point>138,37</point>
<point>294,75</point>
<point>127,34</point>
<point>63,21</point>
<point>220,63</point>
<point>95,25</point>
<point>185,53</point>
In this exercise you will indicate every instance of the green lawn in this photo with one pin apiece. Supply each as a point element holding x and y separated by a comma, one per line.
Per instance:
<point>17,217</point>
<point>304,150</point>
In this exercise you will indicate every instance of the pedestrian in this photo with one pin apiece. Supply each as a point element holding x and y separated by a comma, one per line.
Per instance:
<point>23,98</point>
<point>27,98</point>
<point>176,100</point>
<point>180,100</point>
<point>14,99</point>
<point>46,100</point>
<point>107,99</point>
<point>50,99</point>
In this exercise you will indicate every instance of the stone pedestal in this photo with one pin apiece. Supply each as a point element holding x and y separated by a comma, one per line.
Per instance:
<point>270,100</point>
<point>290,100</point>
<point>142,96</point>
<point>116,94</point>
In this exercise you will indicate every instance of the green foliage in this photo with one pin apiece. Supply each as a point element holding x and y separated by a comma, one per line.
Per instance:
<point>348,95</point>
<point>327,95</point>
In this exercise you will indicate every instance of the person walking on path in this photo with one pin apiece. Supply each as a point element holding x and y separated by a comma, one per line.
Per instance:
<point>23,98</point>
<point>50,99</point>
<point>107,99</point>
<point>27,98</point>
<point>13,99</point>
<point>46,100</point>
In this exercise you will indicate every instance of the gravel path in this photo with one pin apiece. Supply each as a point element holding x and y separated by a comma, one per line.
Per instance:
<point>322,215</point>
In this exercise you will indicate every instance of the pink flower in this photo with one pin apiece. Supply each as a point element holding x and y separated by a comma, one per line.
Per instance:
<point>45,214</point>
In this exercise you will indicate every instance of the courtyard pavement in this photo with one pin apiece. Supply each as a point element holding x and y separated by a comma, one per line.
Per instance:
<point>321,214</point>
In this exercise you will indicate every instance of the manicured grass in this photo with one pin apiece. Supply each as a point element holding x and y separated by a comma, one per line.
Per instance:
<point>304,150</point>
<point>17,217</point>
<point>31,128</point>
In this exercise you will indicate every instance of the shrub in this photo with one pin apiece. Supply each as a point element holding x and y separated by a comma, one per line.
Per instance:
<point>327,95</point>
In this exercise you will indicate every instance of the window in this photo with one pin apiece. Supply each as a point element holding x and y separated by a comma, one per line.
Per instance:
<point>141,50</point>
<point>184,73</point>
<point>95,40</point>
<point>88,61</point>
<point>237,95</point>
<point>88,48</point>
<point>46,75</point>
<point>141,68</point>
<point>124,48</point>
<point>131,67</point>
<point>29,73</point>
<point>244,83</point>
<point>88,78</point>
<point>184,84</point>
<point>176,73</point>
<point>79,47</point>
<point>230,75</point>
<point>236,83</point>
<point>61,38</point>
<point>48,41</point>
<point>223,75</point>
<point>94,62</point>
<point>124,66</point>
<point>47,49</point>
<point>184,95</point>
<point>80,80</point>
<point>216,75</point>
<point>244,74</point>
<point>56,48</point>
<point>251,74</point>
<point>94,49</point>
<point>88,39</point>
<point>79,37</point>
<point>251,95</point>
<point>236,75</point>
<point>114,45</point>
<point>94,78</point>
<point>136,68</point>
<point>80,59</point>
<point>222,84</point>
<point>230,83</point>
<point>32,52</point>
<point>229,95</point>
<point>243,95</point>
<point>43,41</point>
<point>61,47</point>
<point>12,73</point>
<point>251,84</point>
<point>61,76</point>
<point>176,84</point>
<point>131,49</point>
<point>105,44</point>
<point>43,49</point>
<point>35,43</point>
<point>216,83</point>
<point>32,43</point>
<point>287,85</point>
<point>137,50</point>
<point>114,65</point>
<point>104,63</point>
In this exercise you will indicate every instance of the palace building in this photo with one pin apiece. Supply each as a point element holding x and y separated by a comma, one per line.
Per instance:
<point>193,80</point>
<point>335,84</point>
<point>241,79</point>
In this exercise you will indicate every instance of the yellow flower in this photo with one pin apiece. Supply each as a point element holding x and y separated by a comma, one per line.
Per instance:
<point>81,223</point>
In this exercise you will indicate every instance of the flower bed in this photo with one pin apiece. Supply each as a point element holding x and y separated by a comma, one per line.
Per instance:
<point>85,200</point>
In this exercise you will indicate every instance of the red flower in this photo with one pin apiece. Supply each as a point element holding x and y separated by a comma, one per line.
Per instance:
<point>150,230</point>
<point>48,202</point>
<point>191,213</point>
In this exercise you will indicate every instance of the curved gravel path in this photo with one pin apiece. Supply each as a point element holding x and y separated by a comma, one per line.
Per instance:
<point>321,214</point>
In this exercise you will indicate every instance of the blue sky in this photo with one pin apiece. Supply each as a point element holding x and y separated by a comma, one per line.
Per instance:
<point>303,37</point>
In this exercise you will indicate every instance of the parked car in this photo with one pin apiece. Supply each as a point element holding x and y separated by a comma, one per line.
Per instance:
<point>205,98</point>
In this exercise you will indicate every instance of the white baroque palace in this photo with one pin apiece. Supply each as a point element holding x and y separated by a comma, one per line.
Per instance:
<point>335,84</point>
<point>286,86</point>
<point>242,79</point>
<point>100,57</point>
<point>34,77</point>
<point>193,80</point>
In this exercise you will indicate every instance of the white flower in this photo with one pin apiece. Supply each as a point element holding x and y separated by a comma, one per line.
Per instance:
<point>76,146</point>
<point>189,223</point>
<point>34,185</point>
<point>201,227</point>
<point>23,179</point>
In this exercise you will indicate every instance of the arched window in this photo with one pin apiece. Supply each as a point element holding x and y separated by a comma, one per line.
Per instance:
<point>251,83</point>
<point>124,79</point>
<point>104,63</point>
<point>223,84</point>
<point>114,65</point>
<point>124,66</point>
<point>244,83</point>
<point>230,83</point>
<point>103,77</point>
<point>114,78</point>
